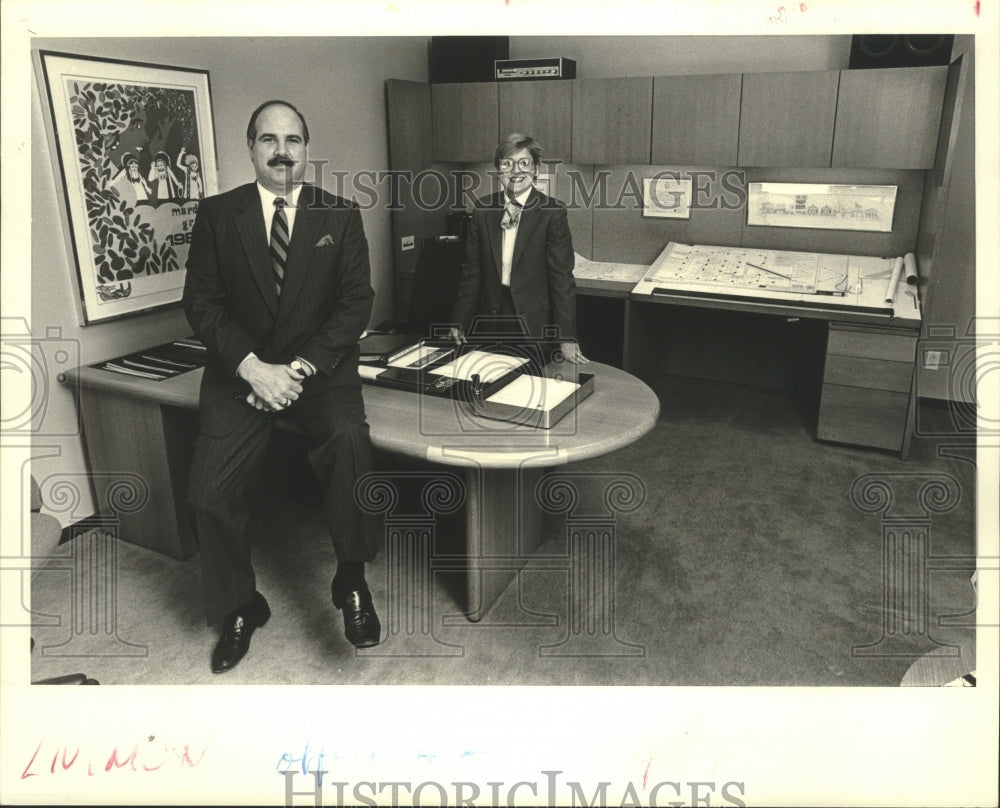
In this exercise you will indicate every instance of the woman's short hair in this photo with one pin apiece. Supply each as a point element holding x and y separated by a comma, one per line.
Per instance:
<point>514,142</point>
<point>252,126</point>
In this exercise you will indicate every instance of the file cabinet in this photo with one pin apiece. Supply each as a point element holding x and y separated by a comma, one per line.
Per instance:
<point>867,386</point>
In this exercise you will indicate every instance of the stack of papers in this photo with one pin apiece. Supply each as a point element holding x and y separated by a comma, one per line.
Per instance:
<point>585,269</point>
<point>488,366</point>
<point>160,362</point>
<point>534,393</point>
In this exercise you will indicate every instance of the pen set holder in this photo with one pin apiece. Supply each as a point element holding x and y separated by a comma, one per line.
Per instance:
<point>536,401</point>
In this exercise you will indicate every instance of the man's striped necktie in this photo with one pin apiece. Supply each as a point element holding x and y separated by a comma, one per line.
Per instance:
<point>279,242</point>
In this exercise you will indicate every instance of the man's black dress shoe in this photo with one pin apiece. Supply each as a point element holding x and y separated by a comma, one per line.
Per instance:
<point>237,629</point>
<point>361,624</point>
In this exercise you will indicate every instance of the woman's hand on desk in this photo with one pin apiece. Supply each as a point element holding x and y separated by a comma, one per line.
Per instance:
<point>571,352</point>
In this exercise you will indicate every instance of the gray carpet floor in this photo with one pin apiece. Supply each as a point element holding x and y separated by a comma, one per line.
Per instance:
<point>748,563</point>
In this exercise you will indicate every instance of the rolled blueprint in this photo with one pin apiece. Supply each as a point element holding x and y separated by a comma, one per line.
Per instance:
<point>910,269</point>
<point>897,269</point>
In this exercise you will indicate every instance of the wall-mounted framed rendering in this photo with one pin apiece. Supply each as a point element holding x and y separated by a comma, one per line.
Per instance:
<point>826,207</point>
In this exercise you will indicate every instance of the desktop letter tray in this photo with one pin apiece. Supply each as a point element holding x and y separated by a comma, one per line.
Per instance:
<point>523,400</point>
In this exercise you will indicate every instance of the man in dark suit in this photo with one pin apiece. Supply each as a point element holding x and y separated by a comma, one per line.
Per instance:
<point>278,289</point>
<point>518,269</point>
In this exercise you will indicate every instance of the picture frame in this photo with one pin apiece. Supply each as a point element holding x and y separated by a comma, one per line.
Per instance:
<point>133,145</point>
<point>667,197</point>
<point>867,208</point>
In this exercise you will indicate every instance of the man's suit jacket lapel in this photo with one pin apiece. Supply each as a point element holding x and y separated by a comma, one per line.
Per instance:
<point>253,234</point>
<point>305,233</point>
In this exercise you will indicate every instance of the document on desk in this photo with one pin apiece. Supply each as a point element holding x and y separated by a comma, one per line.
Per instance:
<point>159,362</point>
<point>534,393</point>
<point>586,269</point>
<point>488,366</point>
<point>859,284</point>
<point>738,268</point>
<point>418,356</point>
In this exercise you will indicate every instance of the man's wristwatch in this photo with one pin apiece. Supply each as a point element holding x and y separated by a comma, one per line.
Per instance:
<point>298,366</point>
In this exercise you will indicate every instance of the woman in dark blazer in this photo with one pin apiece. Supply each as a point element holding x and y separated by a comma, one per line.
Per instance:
<point>519,255</point>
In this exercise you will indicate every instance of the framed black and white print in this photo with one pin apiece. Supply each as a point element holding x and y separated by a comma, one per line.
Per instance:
<point>134,148</point>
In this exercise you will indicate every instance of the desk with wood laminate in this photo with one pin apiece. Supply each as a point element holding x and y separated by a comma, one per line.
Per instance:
<point>868,363</point>
<point>147,428</point>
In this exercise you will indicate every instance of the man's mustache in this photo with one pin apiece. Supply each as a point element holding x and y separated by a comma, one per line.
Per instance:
<point>280,161</point>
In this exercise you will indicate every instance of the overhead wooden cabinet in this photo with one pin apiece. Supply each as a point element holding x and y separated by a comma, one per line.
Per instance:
<point>787,119</point>
<point>408,105</point>
<point>696,119</point>
<point>889,118</point>
<point>465,120</point>
<point>542,109</point>
<point>611,120</point>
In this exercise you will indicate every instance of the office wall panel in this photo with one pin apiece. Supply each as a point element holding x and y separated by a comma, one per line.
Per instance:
<point>568,180</point>
<point>946,252</point>
<point>408,110</point>
<point>621,233</point>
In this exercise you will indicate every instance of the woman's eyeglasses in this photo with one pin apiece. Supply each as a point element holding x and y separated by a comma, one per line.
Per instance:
<point>523,164</point>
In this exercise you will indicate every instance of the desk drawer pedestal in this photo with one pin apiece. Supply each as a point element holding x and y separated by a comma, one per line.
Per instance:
<point>867,386</point>
<point>154,441</point>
